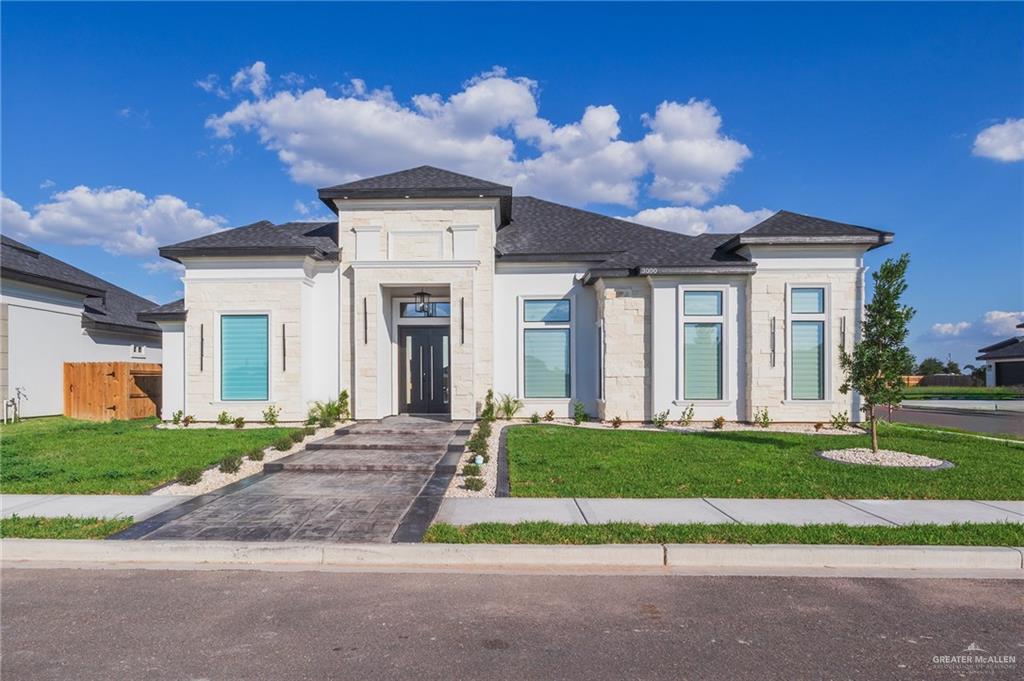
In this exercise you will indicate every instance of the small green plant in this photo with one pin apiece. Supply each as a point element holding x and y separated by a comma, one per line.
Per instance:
<point>488,412</point>
<point>230,464</point>
<point>255,454</point>
<point>176,417</point>
<point>283,444</point>
<point>312,416</point>
<point>660,419</point>
<point>270,414</point>
<point>477,445</point>
<point>534,417</point>
<point>508,406</point>
<point>239,422</point>
<point>579,413</point>
<point>616,422</point>
<point>839,421</point>
<point>549,415</point>
<point>761,417</point>
<point>474,484</point>
<point>188,420</point>
<point>296,435</point>
<point>484,429</point>
<point>686,416</point>
<point>344,414</point>
<point>309,430</point>
<point>223,418</point>
<point>471,469</point>
<point>718,423</point>
<point>190,476</point>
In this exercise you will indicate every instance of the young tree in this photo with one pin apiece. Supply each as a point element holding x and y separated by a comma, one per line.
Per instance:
<point>952,367</point>
<point>875,366</point>
<point>930,366</point>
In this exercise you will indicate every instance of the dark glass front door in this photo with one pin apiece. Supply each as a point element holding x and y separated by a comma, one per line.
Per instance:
<point>424,370</point>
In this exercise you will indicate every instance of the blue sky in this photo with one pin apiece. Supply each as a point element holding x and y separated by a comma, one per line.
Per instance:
<point>129,126</point>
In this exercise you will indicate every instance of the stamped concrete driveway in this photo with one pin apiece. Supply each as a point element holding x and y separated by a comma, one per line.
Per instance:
<point>354,487</point>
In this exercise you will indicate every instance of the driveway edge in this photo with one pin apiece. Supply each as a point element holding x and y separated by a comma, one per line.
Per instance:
<point>682,556</point>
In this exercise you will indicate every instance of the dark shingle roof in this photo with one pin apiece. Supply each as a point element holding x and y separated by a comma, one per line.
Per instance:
<point>315,239</point>
<point>793,228</point>
<point>166,312</point>
<point>105,303</point>
<point>1011,348</point>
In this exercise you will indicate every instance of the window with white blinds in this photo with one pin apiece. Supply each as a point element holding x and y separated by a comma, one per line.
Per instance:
<point>244,357</point>
<point>703,323</point>
<point>547,348</point>
<point>807,348</point>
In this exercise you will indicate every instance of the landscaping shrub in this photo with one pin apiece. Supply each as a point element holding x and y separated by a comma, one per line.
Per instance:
<point>718,423</point>
<point>309,430</point>
<point>686,417</point>
<point>477,445</point>
<point>283,444</point>
<point>223,418</point>
<point>343,411</point>
<point>230,464</point>
<point>255,454</point>
<point>190,476</point>
<point>488,412</point>
<point>616,422</point>
<point>296,435</point>
<point>484,429</point>
<point>839,421</point>
<point>239,422</point>
<point>475,484</point>
<point>761,417</point>
<point>176,417</point>
<point>549,415</point>
<point>579,413</point>
<point>508,406</point>
<point>471,469</point>
<point>534,417</point>
<point>270,414</point>
<point>660,419</point>
<point>188,420</point>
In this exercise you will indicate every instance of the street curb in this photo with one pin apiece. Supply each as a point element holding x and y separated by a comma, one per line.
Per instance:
<point>255,554</point>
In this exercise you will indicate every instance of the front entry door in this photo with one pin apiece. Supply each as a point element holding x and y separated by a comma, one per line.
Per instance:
<point>424,375</point>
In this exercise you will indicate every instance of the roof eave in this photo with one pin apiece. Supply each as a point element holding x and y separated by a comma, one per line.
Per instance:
<point>162,316</point>
<point>870,240</point>
<point>176,253</point>
<point>330,196</point>
<point>50,282</point>
<point>89,323</point>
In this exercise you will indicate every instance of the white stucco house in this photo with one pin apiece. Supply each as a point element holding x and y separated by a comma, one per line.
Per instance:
<point>51,313</point>
<point>432,287</point>
<point>1004,361</point>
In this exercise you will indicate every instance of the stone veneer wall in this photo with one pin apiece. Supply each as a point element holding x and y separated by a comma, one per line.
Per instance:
<point>625,307</point>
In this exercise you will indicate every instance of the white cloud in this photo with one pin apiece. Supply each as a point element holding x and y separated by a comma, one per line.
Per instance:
<point>1002,142</point>
<point>156,266</point>
<point>950,328</point>
<point>999,323</point>
<point>312,211</point>
<point>689,220</point>
<point>490,128</point>
<point>121,221</point>
<point>211,84</point>
<point>47,184</point>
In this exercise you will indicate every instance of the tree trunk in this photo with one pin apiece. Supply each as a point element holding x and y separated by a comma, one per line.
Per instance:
<point>874,432</point>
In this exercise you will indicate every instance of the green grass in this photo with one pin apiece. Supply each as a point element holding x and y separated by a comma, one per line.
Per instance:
<point>66,527</point>
<point>967,534</point>
<point>59,455</point>
<point>961,431</point>
<point>960,393</point>
<point>560,461</point>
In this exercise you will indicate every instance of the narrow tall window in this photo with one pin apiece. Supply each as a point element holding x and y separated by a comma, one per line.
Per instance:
<point>547,341</point>
<point>807,343</point>
<point>703,322</point>
<point>244,357</point>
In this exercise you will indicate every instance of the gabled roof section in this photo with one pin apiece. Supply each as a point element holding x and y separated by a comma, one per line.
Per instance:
<point>424,182</point>
<point>786,228</point>
<point>318,240</point>
<point>174,310</point>
<point>105,305</point>
<point>1011,348</point>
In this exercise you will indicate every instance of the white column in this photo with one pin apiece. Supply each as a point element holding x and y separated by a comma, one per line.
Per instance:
<point>173,372</point>
<point>664,322</point>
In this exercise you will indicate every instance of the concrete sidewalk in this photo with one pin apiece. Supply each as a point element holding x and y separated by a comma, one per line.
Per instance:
<point>747,511</point>
<point>1015,406</point>
<point>139,507</point>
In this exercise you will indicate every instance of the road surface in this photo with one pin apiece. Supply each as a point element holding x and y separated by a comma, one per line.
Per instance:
<point>1006,423</point>
<point>152,624</point>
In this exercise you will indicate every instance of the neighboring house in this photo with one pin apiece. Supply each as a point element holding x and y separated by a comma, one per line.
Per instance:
<point>1004,361</point>
<point>432,287</point>
<point>51,313</point>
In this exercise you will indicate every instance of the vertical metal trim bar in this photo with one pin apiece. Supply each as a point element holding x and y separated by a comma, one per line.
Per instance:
<point>284,351</point>
<point>773,343</point>
<point>842,334</point>
<point>431,372</point>
<point>202,346</point>
<point>462,321</point>
<point>364,321</point>
<point>419,370</point>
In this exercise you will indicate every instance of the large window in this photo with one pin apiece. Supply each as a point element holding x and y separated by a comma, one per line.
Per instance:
<point>703,322</point>
<point>244,357</point>
<point>807,343</point>
<point>547,339</point>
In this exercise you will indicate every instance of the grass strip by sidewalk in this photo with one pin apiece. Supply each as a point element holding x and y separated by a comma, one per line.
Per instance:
<point>958,431</point>
<point>966,534</point>
<point>64,527</point>
<point>938,392</point>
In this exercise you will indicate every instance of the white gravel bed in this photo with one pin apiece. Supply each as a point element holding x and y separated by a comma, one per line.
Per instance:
<point>213,479</point>
<point>213,425</point>
<point>706,427</point>
<point>488,471</point>
<point>883,457</point>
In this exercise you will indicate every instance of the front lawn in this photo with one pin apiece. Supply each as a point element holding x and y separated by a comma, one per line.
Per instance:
<point>58,455</point>
<point>938,392</point>
<point>562,461</point>
<point>66,527</point>
<point>967,534</point>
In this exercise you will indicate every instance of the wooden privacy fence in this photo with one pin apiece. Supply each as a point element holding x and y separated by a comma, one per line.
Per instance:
<point>101,391</point>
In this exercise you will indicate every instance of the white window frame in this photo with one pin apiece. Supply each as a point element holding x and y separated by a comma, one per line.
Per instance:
<point>523,326</point>
<point>824,317</point>
<point>217,350</point>
<point>724,320</point>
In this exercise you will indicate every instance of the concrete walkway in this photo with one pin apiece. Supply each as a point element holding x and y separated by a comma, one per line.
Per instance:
<point>138,507</point>
<point>747,511</point>
<point>1015,406</point>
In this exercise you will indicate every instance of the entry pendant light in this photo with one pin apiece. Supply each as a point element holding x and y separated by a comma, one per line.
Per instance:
<point>423,302</point>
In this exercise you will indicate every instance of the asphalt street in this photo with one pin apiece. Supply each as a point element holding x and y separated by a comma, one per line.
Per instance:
<point>153,624</point>
<point>1007,423</point>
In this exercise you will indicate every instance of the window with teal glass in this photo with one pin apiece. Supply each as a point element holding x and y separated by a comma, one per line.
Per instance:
<point>808,358</point>
<point>546,311</point>
<point>244,357</point>
<point>807,300</point>
<point>546,367</point>
<point>702,361</point>
<point>702,303</point>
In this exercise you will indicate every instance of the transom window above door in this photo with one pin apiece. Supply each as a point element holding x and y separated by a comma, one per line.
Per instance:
<point>419,311</point>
